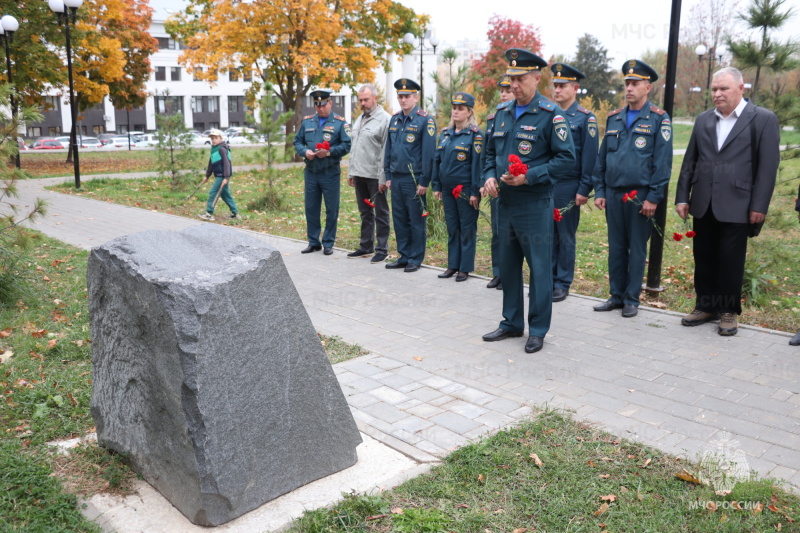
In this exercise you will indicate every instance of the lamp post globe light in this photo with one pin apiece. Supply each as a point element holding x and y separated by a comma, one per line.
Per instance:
<point>66,10</point>
<point>8,25</point>
<point>715,52</point>
<point>410,38</point>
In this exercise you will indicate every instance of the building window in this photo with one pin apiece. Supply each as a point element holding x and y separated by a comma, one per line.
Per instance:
<point>53,131</point>
<point>247,75</point>
<point>233,124</point>
<point>197,104</point>
<point>213,125</point>
<point>165,43</point>
<point>233,104</point>
<point>169,105</point>
<point>51,102</point>
<point>97,130</point>
<point>34,132</point>
<point>175,73</point>
<point>199,126</point>
<point>197,73</point>
<point>233,75</point>
<point>161,73</point>
<point>213,104</point>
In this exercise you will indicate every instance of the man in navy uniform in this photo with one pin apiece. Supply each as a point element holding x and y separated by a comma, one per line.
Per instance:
<point>505,95</point>
<point>533,129</point>
<point>573,187</point>
<point>322,172</point>
<point>636,155</point>
<point>408,163</point>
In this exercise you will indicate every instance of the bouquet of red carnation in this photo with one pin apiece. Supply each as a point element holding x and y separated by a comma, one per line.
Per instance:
<point>557,216</point>
<point>457,191</point>
<point>324,145</point>
<point>516,167</point>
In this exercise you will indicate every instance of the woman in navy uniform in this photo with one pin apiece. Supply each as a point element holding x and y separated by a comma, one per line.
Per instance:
<point>456,167</point>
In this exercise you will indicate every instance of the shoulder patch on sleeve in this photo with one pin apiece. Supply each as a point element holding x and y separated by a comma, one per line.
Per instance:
<point>612,113</point>
<point>547,106</point>
<point>584,110</point>
<point>657,110</point>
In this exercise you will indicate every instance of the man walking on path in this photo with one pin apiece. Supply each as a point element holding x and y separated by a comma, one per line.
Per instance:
<point>726,183</point>
<point>323,139</point>
<point>366,175</point>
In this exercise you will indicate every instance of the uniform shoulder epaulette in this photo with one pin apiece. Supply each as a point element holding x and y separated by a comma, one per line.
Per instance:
<point>612,113</point>
<point>657,110</point>
<point>504,105</point>
<point>397,113</point>
<point>339,117</point>
<point>308,117</point>
<point>547,106</point>
<point>422,113</point>
<point>584,110</point>
<point>473,128</point>
<point>490,117</point>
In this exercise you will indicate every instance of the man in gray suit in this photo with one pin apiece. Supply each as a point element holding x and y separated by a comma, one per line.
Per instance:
<point>726,182</point>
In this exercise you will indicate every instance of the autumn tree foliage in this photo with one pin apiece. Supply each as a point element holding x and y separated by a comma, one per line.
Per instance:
<point>503,33</point>
<point>293,44</point>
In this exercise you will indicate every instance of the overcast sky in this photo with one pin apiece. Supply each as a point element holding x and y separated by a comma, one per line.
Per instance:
<point>626,28</point>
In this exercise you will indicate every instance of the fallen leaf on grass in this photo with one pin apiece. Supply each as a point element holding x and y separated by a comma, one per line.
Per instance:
<point>603,508</point>
<point>417,358</point>
<point>687,476</point>
<point>645,463</point>
<point>608,498</point>
<point>462,506</point>
<point>5,333</point>
<point>519,530</point>
<point>39,333</point>
<point>604,476</point>
<point>52,342</point>
<point>396,510</point>
<point>376,517</point>
<point>5,356</point>
<point>538,462</point>
<point>481,478</point>
<point>758,508</point>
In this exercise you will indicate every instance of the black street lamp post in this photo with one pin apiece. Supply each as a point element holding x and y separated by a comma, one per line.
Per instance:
<point>411,39</point>
<point>715,52</point>
<point>8,25</point>
<point>66,10</point>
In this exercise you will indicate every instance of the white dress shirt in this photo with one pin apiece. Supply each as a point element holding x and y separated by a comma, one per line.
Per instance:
<point>726,124</point>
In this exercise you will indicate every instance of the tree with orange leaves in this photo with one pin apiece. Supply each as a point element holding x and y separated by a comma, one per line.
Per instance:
<point>294,45</point>
<point>503,33</point>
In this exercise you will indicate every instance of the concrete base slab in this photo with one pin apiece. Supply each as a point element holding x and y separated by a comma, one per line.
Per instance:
<point>379,467</point>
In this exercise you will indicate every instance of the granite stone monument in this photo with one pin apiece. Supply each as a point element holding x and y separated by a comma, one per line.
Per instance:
<point>208,373</point>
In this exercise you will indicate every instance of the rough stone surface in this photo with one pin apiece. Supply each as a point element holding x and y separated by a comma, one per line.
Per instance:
<point>208,372</point>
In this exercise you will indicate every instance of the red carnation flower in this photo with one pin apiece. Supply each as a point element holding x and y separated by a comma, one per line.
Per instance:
<point>625,198</point>
<point>690,234</point>
<point>513,158</point>
<point>368,202</point>
<point>324,145</point>
<point>677,236</point>
<point>425,214</point>
<point>557,216</point>
<point>633,194</point>
<point>457,191</point>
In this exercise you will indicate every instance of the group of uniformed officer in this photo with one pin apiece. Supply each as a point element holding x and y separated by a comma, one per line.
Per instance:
<point>535,203</point>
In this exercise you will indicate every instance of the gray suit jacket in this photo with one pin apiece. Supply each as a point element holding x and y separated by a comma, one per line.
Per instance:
<point>725,179</point>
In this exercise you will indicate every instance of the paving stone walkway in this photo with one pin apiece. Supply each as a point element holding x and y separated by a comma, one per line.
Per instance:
<point>431,384</point>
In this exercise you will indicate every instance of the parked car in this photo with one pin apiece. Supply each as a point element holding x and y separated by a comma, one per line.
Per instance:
<point>47,144</point>
<point>239,138</point>
<point>121,141</point>
<point>64,140</point>
<point>148,139</point>
<point>105,138</point>
<point>91,142</point>
<point>195,138</point>
<point>21,143</point>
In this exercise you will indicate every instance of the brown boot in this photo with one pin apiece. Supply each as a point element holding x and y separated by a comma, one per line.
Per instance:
<point>728,324</point>
<point>697,317</point>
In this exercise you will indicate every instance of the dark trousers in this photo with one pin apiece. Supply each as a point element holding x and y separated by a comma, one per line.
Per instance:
<point>495,239</point>
<point>719,255</point>
<point>628,233</point>
<point>318,187</point>
<point>409,224</point>
<point>564,243</point>
<point>374,220</point>
<point>526,233</point>
<point>462,231</point>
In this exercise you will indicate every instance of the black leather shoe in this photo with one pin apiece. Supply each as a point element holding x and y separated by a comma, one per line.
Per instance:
<point>494,283</point>
<point>448,273</point>
<point>499,286</point>
<point>462,276</point>
<point>559,294</point>
<point>629,311</point>
<point>795,341</point>
<point>411,268</point>
<point>608,305</point>
<point>500,334</point>
<point>378,258</point>
<point>396,264</point>
<point>534,344</point>
<point>310,248</point>
<point>327,250</point>
<point>359,253</point>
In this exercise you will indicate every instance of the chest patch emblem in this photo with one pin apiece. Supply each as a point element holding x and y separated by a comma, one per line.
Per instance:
<point>327,136</point>
<point>525,147</point>
<point>461,156</point>
<point>640,142</point>
<point>410,138</point>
